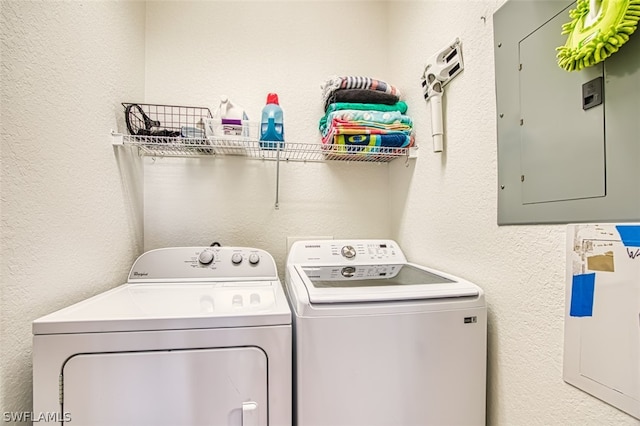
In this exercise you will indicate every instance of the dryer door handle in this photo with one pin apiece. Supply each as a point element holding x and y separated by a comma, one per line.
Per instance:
<point>250,413</point>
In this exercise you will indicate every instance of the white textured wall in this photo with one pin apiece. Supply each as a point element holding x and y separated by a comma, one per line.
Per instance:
<point>70,215</point>
<point>444,215</point>
<point>70,205</point>
<point>201,50</point>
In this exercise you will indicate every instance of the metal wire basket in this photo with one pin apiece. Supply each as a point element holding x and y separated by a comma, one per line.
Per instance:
<point>166,120</point>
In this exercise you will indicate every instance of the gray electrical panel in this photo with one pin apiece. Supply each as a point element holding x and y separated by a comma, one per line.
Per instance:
<point>568,142</point>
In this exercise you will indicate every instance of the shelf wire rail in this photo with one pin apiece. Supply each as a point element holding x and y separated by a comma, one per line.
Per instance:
<point>158,146</point>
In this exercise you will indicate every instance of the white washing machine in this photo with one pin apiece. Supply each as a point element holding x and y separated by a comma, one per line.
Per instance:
<point>381,341</point>
<point>197,336</point>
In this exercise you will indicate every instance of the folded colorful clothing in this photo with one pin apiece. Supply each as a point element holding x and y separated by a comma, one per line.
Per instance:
<point>355,132</point>
<point>356,82</point>
<point>362,96</point>
<point>388,140</point>
<point>381,139</point>
<point>354,128</point>
<point>338,106</point>
<point>378,119</point>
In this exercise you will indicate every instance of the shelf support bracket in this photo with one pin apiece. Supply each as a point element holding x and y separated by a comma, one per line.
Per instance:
<point>278,147</point>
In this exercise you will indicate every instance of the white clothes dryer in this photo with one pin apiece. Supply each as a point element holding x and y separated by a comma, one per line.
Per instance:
<point>379,341</point>
<point>197,336</point>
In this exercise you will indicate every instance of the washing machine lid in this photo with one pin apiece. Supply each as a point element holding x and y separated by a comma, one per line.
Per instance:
<point>172,306</point>
<point>372,283</point>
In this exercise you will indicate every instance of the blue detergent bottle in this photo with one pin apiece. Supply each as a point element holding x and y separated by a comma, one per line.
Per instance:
<point>271,124</point>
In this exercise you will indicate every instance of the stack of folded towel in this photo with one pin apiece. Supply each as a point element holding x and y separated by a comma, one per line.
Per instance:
<point>362,111</point>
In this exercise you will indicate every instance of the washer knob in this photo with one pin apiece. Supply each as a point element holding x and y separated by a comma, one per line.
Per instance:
<point>236,258</point>
<point>348,271</point>
<point>254,259</point>
<point>349,252</point>
<point>205,257</point>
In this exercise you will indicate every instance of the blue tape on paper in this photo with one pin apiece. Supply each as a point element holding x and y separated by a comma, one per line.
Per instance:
<point>582,288</point>
<point>630,235</point>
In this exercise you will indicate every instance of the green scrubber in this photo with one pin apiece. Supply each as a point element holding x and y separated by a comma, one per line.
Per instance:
<point>593,43</point>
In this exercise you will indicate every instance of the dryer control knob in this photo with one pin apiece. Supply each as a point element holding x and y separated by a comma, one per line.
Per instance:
<point>349,252</point>
<point>254,259</point>
<point>205,257</point>
<point>236,259</point>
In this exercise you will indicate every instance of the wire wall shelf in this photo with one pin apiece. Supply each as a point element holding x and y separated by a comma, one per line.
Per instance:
<point>160,146</point>
<point>185,131</point>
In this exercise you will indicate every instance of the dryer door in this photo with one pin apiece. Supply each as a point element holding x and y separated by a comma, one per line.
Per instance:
<point>181,387</point>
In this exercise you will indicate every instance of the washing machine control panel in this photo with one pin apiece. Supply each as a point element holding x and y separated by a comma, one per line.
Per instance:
<point>346,251</point>
<point>203,263</point>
